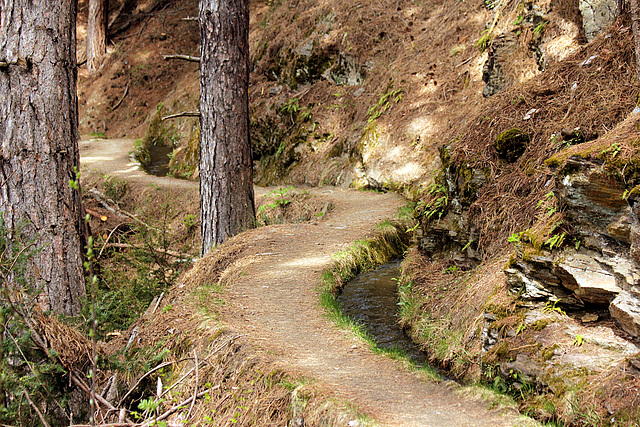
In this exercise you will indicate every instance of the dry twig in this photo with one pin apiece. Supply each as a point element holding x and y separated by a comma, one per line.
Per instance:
<point>159,250</point>
<point>184,114</point>
<point>195,387</point>
<point>183,57</point>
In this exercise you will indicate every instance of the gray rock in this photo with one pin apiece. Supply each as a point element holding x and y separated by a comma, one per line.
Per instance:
<point>624,268</point>
<point>593,202</point>
<point>626,310</point>
<point>596,16</point>
<point>493,74</point>
<point>345,72</point>
<point>529,287</point>
<point>590,280</point>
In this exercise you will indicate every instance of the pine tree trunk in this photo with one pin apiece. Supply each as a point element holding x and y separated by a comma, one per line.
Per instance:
<point>226,176</point>
<point>38,132</point>
<point>97,33</point>
<point>635,26</point>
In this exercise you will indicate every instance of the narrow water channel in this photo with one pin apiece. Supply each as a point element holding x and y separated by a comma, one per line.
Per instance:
<point>372,299</point>
<point>159,163</point>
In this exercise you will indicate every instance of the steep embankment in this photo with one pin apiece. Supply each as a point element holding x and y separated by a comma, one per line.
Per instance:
<point>272,302</point>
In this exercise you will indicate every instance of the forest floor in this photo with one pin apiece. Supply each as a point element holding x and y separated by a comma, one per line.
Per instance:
<point>274,304</point>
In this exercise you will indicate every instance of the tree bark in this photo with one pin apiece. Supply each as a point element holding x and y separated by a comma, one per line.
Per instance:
<point>635,26</point>
<point>97,33</point>
<point>38,132</point>
<point>226,175</point>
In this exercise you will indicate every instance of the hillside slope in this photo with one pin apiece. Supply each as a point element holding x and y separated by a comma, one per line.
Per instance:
<point>508,123</point>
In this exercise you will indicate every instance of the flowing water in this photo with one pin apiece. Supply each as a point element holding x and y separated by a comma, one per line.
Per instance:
<point>372,299</point>
<point>159,164</point>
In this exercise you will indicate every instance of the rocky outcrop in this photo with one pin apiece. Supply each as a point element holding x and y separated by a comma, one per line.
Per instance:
<point>626,309</point>
<point>596,16</point>
<point>594,203</point>
<point>602,271</point>
<point>493,73</point>
<point>576,278</point>
<point>559,353</point>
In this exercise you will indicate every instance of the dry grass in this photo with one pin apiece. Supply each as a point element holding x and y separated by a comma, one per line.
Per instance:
<point>593,95</point>
<point>290,205</point>
<point>73,348</point>
<point>449,307</point>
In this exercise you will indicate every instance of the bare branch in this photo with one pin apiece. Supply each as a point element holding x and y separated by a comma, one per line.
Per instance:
<point>126,91</point>
<point>103,200</point>
<point>158,250</point>
<point>185,114</point>
<point>78,381</point>
<point>195,388</point>
<point>183,57</point>
<point>160,366</point>
<point>42,420</point>
<point>185,403</point>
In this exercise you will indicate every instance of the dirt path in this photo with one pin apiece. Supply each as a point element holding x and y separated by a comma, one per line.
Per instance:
<point>276,306</point>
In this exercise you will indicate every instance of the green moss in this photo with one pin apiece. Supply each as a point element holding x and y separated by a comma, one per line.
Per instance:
<point>501,350</point>
<point>512,260</point>
<point>548,352</point>
<point>554,162</point>
<point>511,144</point>
<point>499,311</point>
<point>540,324</point>
<point>469,187</point>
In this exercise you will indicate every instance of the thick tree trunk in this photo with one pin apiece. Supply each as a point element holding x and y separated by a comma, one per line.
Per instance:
<point>97,33</point>
<point>38,132</point>
<point>226,176</point>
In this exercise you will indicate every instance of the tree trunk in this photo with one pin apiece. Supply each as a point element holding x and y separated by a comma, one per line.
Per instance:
<point>97,33</point>
<point>635,26</point>
<point>226,175</point>
<point>38,132</point>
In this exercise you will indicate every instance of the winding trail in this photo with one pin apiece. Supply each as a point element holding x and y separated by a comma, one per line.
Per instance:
<point>274,304</point>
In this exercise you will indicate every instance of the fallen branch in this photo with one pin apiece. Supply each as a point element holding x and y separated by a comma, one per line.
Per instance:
<point>190,18</point>
<point>215,351</point>
<point>157,303</point>
<point>78,381</point>
<point>195,388</point>
<point>184,403</point>
<point>102,199</point>
<point>160,366</point>
<point>124,95</point>
<point>35,408</point>
<point>185,114</point>
<point>183,57</point>
<point>159,250</point>
<point>108,237</point>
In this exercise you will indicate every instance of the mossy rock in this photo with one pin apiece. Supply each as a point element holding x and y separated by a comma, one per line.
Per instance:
<point>511,144</point>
